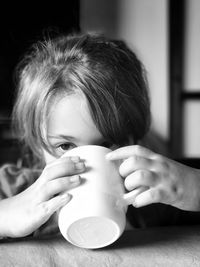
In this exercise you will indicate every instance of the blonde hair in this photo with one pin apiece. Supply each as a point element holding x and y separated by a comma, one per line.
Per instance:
<point>106,71</point>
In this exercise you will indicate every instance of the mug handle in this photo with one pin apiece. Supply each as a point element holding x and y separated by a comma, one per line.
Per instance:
<point>129,197</point>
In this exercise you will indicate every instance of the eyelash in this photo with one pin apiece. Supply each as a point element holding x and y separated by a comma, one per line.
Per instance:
<point>70,146</point>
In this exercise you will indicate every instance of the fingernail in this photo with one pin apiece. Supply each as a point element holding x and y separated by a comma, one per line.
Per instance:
<point>65,197</point>
<point>80,166</point>
<point>74,179</point>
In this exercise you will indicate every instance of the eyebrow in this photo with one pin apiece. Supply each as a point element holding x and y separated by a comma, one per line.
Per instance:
<point>62,136</point>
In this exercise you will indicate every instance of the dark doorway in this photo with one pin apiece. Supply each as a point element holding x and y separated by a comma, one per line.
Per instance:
<point>20,27</point>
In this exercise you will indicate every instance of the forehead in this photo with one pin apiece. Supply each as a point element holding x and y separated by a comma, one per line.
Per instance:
<point>70,116</point>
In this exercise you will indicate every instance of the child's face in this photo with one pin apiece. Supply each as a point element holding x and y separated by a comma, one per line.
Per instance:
<point>70,125</point>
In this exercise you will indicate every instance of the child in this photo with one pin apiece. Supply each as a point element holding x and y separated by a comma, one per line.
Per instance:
<point>79,90</point>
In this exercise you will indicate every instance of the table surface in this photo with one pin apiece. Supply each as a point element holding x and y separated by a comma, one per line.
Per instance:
<point>163,246</point>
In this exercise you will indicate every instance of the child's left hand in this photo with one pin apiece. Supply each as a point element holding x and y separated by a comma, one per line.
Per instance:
<point>153,178</point>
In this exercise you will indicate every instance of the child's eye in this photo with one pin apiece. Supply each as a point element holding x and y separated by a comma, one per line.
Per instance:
<point>66,146</point>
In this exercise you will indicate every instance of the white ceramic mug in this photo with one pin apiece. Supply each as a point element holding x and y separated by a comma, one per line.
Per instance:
<point>95,217</point>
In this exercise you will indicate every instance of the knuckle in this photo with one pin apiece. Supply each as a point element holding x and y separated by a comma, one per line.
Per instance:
<point>44,209</point>
<point>142,175</point>
<point>39,191</point>
<point>173,188</point>
<point>46,191</point>
<point>127,166</point>
<point>60,184</point>
<point>152,178</point>
<point>68,166</point>
<point>133,160</point>
<point>65,166</point>
<point>156,195</point>
<point>146,176</point>
<point>164,165</point>
<point>71,168</point>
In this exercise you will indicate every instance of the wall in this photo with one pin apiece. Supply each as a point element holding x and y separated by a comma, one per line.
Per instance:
<point>192,79</point>
<point>143,24</point>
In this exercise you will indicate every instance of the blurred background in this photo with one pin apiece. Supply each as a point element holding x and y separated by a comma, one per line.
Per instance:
<point>165,34</point>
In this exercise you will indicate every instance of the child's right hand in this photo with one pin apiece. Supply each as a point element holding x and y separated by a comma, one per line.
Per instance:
<point>22,214</point>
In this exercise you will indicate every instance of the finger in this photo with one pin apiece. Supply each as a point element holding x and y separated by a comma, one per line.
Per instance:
<point>47,208</point>
<point>134,163</point>
<point>74,159</point>
<point>150,196</point>
<point>128,151</point>
<point>59,185</point>
<point>62,167</point>
<point>130,197</point>
<point>140,178</point>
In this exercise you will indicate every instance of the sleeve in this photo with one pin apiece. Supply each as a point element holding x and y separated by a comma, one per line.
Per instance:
<point>14,180</point>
